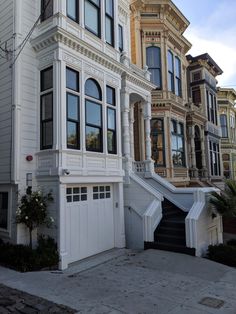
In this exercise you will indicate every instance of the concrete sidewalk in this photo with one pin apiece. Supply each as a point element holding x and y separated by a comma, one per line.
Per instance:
<point>127,282</point>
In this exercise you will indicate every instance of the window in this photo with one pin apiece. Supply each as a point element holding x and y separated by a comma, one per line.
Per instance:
<point>196,76</point>
<point>211,107</point>
<point>4,210</point>
<point>154,65</point>
<point>46,9</point>
<point>215,159</point>
<point>223,123</point>
<point>73,109</point>
<point>92,16</point>
<point>196,95</point>
<point>93,112</point>
<point>101,192</point>
<point>157,137</point>
<point>109,20</point>
<point>171,86</point>
<point>72,8</point>
<point>178,89</point>
<point>76,194</point>
<point>121,40</point>
<point>46,109</point>
<point>111,120</point>
<point>177,143</point>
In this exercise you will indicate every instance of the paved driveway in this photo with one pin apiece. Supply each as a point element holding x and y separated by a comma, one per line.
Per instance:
<point>127,282</point>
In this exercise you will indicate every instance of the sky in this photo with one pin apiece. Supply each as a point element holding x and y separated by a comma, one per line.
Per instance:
<point>213,30</point>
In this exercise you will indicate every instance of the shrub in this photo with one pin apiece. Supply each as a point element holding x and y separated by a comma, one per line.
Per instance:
<point>32,211</point>
<point>23,258</point>
<point>232,242</point>
<point>222,253</point>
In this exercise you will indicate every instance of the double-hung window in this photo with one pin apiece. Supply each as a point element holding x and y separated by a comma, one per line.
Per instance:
<point>224,126</point>
<point>121,38</point>
<point>92,16</point>
<point>93,112</point>
<point>72,9</point>
<point>178,89</point>
<point>46,108</point>
<point>4,210</point>
<point>215,159</point>
<point>153,60</point>
<point>111,120</point>
<point>73,109</point>
<point>46,9</point>
<point>157,137</point>
<point>177,143</point>
<point>171,86</point>
<point>109,21</point>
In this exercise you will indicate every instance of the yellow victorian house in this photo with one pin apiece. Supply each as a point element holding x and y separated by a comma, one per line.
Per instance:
<point>158,42</point>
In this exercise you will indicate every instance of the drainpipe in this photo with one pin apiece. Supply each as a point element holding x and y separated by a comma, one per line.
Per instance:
<point>16,108</point>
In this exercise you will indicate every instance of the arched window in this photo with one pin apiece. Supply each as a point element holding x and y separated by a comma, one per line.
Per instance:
<point>93,116</point>
<point>153,60</point>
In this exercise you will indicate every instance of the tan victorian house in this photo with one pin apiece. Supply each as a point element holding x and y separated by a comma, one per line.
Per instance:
<point>227,110</point>
<point>203,123</point>
<point>157,29</point>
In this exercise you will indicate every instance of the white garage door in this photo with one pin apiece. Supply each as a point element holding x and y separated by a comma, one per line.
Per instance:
<point>90,225</point>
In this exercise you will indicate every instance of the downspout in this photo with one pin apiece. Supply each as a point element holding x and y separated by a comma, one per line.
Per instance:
<point>15,107</point>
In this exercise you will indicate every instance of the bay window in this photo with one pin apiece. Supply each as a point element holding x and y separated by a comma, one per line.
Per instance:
<point>215,159</point>
<point>178,89</point>
<point>224,126</point>
<point>171,86</point>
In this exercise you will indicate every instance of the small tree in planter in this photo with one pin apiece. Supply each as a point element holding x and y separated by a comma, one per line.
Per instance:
<point>32,211</point>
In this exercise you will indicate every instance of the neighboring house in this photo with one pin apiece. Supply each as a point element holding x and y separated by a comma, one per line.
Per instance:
<point>227,111</point>
<point>75,119</point>
<point>157,41</point>
<point>204,131</point>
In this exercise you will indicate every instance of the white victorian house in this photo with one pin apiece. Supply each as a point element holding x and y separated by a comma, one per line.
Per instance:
<point>75,119</point>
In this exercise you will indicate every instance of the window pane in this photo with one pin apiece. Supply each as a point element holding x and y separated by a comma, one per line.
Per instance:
<point>121,44</point>
<point>92,17</point>
<point>109,30</point>
<point>155,76</point>
<point>174,144</point>
<point>72,79</point>
<point>46,9</point>
<point>47,134</point>
<point>92,89</point>
<point>111,142</point>
<point>3,210</point>
<point>109,7</point>
<point>93,113</point>
<point>153,57</point>
<point>72,9</point>
<point>177,67</point>
<point>111,96</point>
<point>72,107</point>
<point>93,139</point>
<point>170,62</point>
<point>111,119</point>
<point>46,79</point>
<point>46,106</point>
<point>72,136</point>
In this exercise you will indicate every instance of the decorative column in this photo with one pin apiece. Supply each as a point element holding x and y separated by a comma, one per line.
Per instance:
<point>204,167</point>
<point>131,131</point>
<point>125,127</point>
<point>194,172</point>
<point>147,114</point>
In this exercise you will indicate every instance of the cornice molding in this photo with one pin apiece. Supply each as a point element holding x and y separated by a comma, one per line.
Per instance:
<point>57,35</point>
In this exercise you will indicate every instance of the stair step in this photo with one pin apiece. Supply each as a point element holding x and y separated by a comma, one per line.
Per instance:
<point>168,238</point>
<point>175,223</point>
<point>168,230</point>
<point>169,247</point>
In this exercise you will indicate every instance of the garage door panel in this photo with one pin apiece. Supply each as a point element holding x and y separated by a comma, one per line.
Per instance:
<point>91,227</point>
